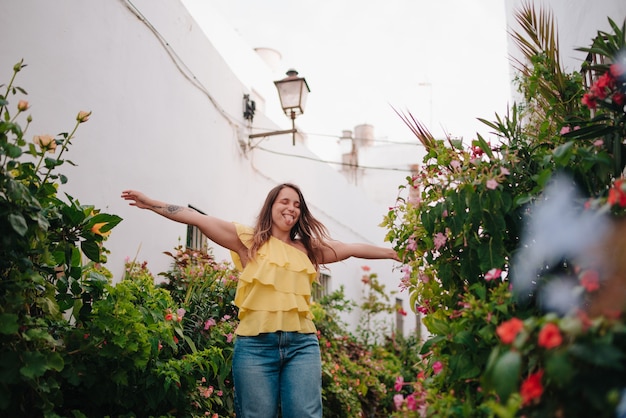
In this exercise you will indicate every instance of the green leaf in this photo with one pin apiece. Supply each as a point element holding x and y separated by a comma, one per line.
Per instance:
<point>35,364</point>
<point>484,146</point>
<point>13,151</point>
<point>8,323</point>
<point>559,370</point>
<point>91,250</point>
<point>463,366</point>
<point>18,223</point>
<point>506,372</point>
<point>564,153</point>
<point>426,347</point>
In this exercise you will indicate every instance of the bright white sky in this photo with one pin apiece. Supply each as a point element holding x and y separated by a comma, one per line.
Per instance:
<point>445,61</point>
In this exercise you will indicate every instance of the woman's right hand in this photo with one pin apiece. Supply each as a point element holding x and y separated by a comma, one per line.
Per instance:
<point>136,198</point>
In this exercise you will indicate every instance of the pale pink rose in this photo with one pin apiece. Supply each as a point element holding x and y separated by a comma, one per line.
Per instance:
<point>22,105</point>
<point>45,142</point>
<point>83,116</point>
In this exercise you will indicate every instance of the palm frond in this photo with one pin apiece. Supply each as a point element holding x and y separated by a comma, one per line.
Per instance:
<point>419,130</point>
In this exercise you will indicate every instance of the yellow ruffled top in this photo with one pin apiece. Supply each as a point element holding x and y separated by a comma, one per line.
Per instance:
<point>274,289</point>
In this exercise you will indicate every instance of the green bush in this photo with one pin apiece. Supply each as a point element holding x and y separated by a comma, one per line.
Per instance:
<point>43,244</point>
<point>493,350</point>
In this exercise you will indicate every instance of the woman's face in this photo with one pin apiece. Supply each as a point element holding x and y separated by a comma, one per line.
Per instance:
<point>286,209</point>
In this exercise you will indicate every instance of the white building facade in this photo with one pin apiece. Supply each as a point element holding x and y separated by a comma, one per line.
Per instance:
<point>166,90</point>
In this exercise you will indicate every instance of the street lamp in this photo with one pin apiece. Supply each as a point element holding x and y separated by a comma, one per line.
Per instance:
<point>293,91</point>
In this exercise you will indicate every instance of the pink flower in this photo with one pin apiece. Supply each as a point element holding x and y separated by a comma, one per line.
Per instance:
<point>411,402</point>
<point>399,383</point>
<point>422,309</point>
<point>398,400</point>
<point>180,312</point>
<point>365,268</point>
<point>492,184</point>
<point>229,337</point>
<point>439,240</point>
<point>407,271</point>
<point>226,318</point>
<point>493,274</point>
<point>598,142</point>
<point>437,367</point>
<point>412,244</point>
<point>209,323</point>
<point>405,283</point>
<point>504,171</point>
<point>564,130</point>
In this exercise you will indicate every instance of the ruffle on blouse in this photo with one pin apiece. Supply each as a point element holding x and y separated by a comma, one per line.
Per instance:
<point>274,289</point>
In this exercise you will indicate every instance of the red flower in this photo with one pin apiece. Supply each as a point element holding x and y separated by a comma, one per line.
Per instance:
<point>508,330</point>
<point>617,195</point>
<point>605,82</point>
<point>169,316</point>
<point>619,99</point>
<point>590,280</point>
<point>550,336</point>
<point>532,388</point>
<point>589,101</point>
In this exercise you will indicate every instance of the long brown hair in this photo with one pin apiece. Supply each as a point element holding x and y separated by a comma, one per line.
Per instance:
<point>311,232</point>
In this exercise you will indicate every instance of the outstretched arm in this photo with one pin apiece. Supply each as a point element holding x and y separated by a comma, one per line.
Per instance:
<point>217,230</point>
<point>338,251</point>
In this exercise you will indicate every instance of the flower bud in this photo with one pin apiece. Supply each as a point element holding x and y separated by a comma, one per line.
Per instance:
<point>45,142</point>
<point>22,105</point>
<point>83,116</point>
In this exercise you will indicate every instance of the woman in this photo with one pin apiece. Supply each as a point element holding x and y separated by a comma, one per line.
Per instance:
<point>276,360</point>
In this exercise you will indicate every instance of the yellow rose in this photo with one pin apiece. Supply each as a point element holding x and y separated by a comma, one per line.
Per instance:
<point>96,229</point>
<point>83,116</point>
<point>45,142</point>
<point>22,105</point>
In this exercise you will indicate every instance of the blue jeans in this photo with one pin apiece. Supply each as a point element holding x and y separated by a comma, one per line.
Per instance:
<point>278,368</point>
